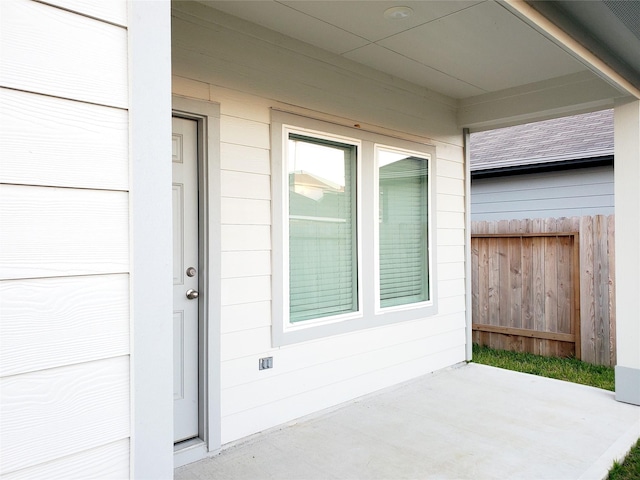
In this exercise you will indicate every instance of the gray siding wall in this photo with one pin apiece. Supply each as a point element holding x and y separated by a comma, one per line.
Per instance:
<point>568,193</point>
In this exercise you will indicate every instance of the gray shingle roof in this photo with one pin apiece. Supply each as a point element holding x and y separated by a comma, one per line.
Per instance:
<point>581,136</point>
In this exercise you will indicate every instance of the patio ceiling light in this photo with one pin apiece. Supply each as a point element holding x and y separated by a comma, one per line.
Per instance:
<point>397,13</point>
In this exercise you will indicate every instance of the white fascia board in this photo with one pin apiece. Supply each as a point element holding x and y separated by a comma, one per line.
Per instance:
<point>563,96</point>
<point>567,42</point>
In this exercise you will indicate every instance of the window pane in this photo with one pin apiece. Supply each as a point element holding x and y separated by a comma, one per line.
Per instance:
<point>403,224</point>
<point>322,234</point>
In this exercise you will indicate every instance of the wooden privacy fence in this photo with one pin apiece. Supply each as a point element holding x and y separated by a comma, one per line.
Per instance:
<point>545,286</point>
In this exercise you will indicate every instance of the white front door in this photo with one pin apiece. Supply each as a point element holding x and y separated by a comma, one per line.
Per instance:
<point>185,279</point>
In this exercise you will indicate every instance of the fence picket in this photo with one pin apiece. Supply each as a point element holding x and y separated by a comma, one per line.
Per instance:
<point>612,288</point>
<point>587,292</point>
<point>546,286</point>
<point>601,283</point>
<point>514,272</point>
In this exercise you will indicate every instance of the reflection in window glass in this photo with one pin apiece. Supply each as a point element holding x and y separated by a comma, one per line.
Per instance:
<point>322,232</point>
<point>403,228</point>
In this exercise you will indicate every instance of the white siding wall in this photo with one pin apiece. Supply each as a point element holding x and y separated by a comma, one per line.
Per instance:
<point>587,191</point>
<point>248,70</point>
<point>64,240</point>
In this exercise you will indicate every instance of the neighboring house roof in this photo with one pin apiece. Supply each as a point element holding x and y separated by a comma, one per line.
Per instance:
<point>568,142</point>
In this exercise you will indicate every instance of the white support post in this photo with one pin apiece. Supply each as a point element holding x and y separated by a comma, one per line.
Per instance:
<point>151,240</point>
<point>627,205</point>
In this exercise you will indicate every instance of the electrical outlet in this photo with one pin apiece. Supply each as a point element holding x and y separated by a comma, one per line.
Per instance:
<point>264,363</point>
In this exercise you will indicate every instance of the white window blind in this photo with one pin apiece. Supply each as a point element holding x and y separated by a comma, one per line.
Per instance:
<point>322,228</point>
<point>403,223</point>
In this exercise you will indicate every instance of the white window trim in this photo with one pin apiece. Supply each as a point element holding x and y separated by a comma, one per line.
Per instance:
<point>284,214</point>
<point>369,313</point>
<point>379,310</point>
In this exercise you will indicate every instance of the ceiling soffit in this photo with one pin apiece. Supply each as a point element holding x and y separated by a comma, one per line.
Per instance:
<point>457,48</point>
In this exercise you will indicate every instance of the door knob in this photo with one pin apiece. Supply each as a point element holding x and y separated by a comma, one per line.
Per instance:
<point>191,294</point>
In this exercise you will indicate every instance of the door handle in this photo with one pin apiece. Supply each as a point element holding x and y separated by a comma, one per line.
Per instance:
<point>192,294</point>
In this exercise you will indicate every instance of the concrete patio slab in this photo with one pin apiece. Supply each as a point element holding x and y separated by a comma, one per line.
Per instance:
<point>466,422</point>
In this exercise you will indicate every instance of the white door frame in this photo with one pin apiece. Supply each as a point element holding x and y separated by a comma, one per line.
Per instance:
<point>207,115</point>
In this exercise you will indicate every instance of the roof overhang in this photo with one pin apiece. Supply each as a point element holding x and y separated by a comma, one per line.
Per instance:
<point>497,63</point>
<point>605,34</point>
<point>593,33</point>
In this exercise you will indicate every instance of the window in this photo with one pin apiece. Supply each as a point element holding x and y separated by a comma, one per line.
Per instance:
<point>403,227</point>
<point>323,279</point>
<point>352,233</point>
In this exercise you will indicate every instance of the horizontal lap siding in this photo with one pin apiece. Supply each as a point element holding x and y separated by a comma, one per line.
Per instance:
<point>245,316</point>
<point>57,412</point>
<point>62,231</point>
<point>63,143</point>
<point>76,57</point>
<point>239,370</point>
<point>246,211</point>
<point>246,232</point>
<point>245,159</point>
<point>450,232</point>
<point>246,263</point>
<point>309,401</point>
<point>113,11</point>
<point>52,322</point>
<point>582,192</point>
<point>303,368</point>
<point>107,462</point>
<point>245,238</point>
<point>244,185</point>
<point>317,374</point>
<point>64,241</point>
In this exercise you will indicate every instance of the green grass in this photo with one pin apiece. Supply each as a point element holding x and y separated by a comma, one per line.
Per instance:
<point>630,468</point>
<point>570,370</point>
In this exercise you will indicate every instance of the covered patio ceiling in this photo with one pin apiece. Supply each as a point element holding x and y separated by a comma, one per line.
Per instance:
<point>484,57</point>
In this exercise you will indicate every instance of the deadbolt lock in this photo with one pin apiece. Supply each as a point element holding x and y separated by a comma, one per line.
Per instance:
<point>191,272</point>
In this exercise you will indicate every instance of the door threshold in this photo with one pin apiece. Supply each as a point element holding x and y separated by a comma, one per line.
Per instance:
<point>187,444</point>
<point>189,451</point>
